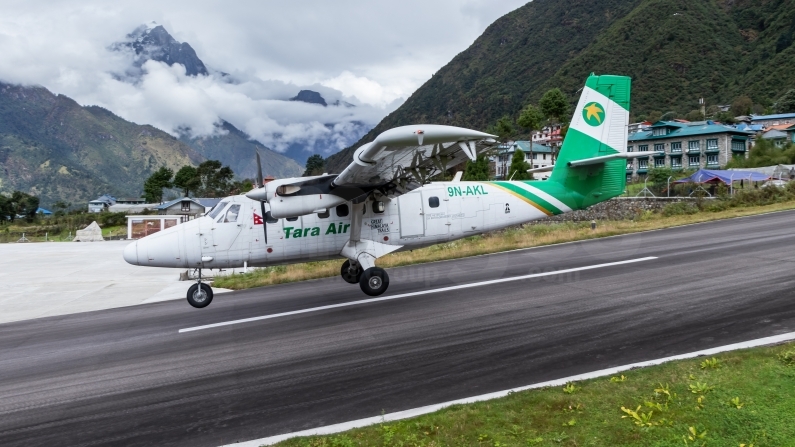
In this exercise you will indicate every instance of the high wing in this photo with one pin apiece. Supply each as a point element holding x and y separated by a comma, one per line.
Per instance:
<point>404,158</point>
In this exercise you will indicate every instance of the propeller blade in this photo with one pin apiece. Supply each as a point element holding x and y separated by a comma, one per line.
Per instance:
<point>259,172</point>
<point>264,221</point>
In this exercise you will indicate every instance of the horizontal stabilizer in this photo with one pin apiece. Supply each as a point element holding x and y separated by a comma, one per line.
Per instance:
<point>544,169</point>
<point>606,158</point>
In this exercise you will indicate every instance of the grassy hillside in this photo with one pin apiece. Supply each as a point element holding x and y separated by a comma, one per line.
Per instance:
<point>675,50</point>
<point>52,147</point>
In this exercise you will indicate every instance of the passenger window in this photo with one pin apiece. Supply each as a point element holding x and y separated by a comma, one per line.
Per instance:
<point>292,219</point>
<point>342,210</point>
<point>270,219</point>
<point>324,214</point>
<point>217,210</point>
<point>232,214</point>
<point>433,202</point>
<point>378,207</point>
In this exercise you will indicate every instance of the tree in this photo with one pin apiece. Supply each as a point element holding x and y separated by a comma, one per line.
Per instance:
<point>519,167</point>
<point>315,165</point>
<point>19,204</point>
<point>215,179</point>
<point>555,105</point>
<point>786,104</point>
<point>654,116</point>
<point>694,115</point>
<point>187,179</point>
<point>530,118</point>
<point>153,186</point>
<point>503,128</point>
<point>477,170</point>
<point>741,106</point>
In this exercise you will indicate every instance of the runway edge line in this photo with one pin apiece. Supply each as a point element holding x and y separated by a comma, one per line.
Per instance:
<point>405,414</point>
<point>422,292</point>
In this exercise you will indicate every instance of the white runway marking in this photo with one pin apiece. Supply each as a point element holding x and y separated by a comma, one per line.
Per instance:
<point>422,292</point>
<point>337,428</point>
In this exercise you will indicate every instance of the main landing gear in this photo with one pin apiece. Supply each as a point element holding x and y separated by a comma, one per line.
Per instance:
<point>373,281</point>
<point>200,294</point>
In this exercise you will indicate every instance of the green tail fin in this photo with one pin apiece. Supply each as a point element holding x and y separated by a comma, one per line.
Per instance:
<point>598,127</point>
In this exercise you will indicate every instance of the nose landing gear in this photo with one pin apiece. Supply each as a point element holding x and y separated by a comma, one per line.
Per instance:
<point>200,294</point>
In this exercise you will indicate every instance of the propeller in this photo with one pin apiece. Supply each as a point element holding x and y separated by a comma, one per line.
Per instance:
<point>261,184</point>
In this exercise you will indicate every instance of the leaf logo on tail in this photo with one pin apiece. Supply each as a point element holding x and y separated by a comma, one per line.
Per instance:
<point>594,114</point>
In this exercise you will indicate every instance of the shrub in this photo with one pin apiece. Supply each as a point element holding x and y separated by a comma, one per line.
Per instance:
<point>679,209</point>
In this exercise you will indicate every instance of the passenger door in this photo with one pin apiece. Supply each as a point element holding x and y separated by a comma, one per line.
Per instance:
<point>437,218</point>
<point>412,223</point>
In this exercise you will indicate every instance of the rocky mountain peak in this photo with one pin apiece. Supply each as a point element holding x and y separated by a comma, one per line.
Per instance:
<point>309,96</point>
<point>153,42</point>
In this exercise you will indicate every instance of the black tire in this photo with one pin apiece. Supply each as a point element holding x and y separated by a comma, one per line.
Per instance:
<point>374,281</point>
<point>196,299</point>
<point>346,274</point>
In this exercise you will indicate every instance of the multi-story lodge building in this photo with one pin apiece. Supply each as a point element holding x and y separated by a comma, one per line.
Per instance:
<point>536,155</point>
<point>679,145</point>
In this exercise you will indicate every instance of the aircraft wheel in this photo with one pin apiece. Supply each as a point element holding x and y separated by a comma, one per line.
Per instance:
<point>374,281</point>
<point>200,298</point>
<point>346,273</point>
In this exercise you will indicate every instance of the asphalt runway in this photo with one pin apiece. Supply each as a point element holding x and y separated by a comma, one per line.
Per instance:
<point>127,376</point>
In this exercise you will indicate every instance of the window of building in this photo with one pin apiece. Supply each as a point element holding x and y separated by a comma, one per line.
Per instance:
<point>712,160</point>
<point>379,207</point>
<point>643,148</point>
<point>433,202</point>
<point>544,156</point>
<point>659,147</point>
<point>342,210</point>
<point>739,145</point>
<point>535,156</point>
<point>676,147</point>
<point>712,144</point>
<point>693,145</point>
<point>185,206</point>
<point>693,160</point>
<point>643,163</point>
<point>660,131</point>
<point>659,162</point>
<point>629,178</point>
<point>629,149</point>
<point>676,162</point>
<point>217,210</point>
<point>630,164</point>
<point>325,214</point>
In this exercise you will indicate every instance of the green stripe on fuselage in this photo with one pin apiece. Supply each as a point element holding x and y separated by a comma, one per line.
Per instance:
<point>543,205</point>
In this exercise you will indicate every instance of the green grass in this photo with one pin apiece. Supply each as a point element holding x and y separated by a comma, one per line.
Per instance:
<point>746,398</point>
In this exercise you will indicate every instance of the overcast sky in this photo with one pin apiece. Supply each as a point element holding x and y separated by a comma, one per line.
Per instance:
<point>369,53</point>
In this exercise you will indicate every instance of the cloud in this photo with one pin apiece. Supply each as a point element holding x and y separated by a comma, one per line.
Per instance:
<point>370,54</point>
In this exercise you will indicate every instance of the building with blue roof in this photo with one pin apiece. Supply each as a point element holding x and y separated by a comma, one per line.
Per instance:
<point>773,120</point>
<point>536,155</point>
<point>679,145</point>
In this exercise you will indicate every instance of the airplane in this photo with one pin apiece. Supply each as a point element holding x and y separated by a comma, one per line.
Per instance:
<point>384,201</point>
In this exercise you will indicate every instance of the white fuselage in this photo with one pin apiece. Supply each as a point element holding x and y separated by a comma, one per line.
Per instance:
<point>435,213</point>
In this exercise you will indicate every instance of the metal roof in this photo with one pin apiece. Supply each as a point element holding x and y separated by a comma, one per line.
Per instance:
<point>686,130</point>
<point>175,201</point>
<point>772,117</point>
<point>525,146</point>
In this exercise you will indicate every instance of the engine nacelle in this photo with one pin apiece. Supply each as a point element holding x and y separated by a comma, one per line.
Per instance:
<point>301,205</point>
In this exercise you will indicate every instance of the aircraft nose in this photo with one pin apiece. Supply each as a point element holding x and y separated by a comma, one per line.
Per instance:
<point>131,253</point>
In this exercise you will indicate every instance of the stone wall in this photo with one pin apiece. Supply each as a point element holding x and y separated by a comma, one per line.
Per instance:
<point>619,208</point>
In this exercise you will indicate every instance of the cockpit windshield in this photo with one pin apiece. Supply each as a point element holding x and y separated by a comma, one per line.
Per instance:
<point>217,210</point>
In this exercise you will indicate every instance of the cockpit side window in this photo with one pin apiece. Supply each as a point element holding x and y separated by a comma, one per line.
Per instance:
<point>232,214</point>
<point>217,209</point>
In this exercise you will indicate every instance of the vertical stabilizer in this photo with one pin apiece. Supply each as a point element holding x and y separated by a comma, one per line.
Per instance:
<point>598,127</point>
